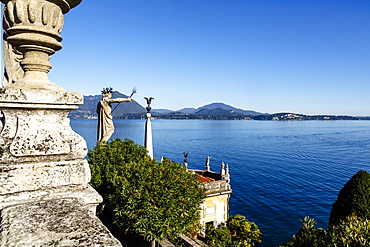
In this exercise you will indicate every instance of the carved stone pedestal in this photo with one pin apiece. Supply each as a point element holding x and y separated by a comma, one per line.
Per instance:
<point>45,196</point>
<point>41,157</point>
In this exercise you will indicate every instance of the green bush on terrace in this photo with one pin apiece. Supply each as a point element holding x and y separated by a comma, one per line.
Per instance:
<point>156,200</point>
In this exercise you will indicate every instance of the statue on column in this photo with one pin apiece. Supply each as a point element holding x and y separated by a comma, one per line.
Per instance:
<point>148,102</point>
<point>186,159</point>
<point>148,139</point>
<point>104,110</point>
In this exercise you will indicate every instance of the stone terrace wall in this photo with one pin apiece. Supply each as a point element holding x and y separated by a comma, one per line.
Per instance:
<point>64,222</point>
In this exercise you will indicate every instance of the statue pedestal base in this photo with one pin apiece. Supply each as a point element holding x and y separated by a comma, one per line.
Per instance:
<point>41,157</point>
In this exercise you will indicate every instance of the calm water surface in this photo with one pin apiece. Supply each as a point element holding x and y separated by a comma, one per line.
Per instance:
<point>280,171</point>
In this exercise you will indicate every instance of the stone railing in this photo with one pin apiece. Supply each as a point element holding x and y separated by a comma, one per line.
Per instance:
<point>217,188</point>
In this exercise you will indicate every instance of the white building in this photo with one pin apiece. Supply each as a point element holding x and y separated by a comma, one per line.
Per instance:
<point>215,207</point>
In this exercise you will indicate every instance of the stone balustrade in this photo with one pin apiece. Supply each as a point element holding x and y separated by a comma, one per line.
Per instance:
<point>217,187</point>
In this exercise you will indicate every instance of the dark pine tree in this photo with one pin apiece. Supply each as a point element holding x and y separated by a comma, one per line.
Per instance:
<point>353,198</point>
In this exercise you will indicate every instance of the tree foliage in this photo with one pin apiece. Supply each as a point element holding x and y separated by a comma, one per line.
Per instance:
<point>243,231</point>
<point>307,235</point>
<point>239,232</point>
<point>349,223</point>
<point>353,231</point>
<point>220,236</point>
<point>156,200</point>
<point>353,198</point>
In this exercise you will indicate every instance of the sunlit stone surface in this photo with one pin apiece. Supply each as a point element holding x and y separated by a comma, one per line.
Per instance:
<point>45,196</point>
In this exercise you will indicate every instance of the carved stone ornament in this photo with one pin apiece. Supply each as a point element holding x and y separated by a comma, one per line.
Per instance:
<point>33,28</point>
<point>34,138</point>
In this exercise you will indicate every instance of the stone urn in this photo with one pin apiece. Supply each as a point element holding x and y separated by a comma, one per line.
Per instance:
<point>32,29</point>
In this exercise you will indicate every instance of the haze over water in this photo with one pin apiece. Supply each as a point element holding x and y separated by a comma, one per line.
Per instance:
<point>280,171</point>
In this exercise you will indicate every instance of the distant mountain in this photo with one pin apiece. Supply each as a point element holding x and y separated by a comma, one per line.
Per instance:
<point>218,109</point>
<point>135,110</point>
<point>161,111</point>
<point>88,109</point>
<point>187,110</point>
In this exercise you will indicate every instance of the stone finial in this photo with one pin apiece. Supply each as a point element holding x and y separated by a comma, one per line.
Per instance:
<point>208,161</point>
<point>31,31</point>
<point>223,171</point>
<point>227,175</point>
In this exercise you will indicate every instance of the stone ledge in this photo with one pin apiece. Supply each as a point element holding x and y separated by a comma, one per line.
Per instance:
<point>60,222</point>
<point>87,195</point>
<point>37,176</point>
<point>30,97</point>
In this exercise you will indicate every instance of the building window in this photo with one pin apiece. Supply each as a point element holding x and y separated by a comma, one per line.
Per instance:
<point>210,211</point>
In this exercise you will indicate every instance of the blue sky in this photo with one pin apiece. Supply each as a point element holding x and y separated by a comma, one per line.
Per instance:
<point>310,57</point>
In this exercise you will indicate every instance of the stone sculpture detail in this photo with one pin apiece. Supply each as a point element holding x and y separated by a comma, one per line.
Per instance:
<point>32,28</point>
<point>104,111</point>
<point>148,102</point>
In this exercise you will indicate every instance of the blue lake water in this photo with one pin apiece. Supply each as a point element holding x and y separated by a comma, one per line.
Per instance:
<point>280,171</point>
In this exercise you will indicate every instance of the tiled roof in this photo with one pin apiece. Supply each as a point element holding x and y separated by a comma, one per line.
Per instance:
<point>205,179</point>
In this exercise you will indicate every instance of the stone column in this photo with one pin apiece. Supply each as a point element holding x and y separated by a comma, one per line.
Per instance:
<point>148,142</point>
<point>41,157</point>
<point>148,139</point>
